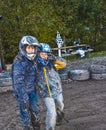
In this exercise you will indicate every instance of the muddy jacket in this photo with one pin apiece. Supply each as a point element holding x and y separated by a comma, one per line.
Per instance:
<point>23,77</point>
<point>51,76</point>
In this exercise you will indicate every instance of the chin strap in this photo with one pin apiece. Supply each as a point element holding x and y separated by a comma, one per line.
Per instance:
<point>47,82</point>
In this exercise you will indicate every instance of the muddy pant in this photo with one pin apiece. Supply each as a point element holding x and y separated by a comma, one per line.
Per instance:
<point>52,104</point>
<point>31,106</point>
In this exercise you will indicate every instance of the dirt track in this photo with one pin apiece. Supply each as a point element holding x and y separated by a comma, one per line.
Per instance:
<point>85,107</point>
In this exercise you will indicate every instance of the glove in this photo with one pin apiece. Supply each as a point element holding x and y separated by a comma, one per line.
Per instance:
<point>52,57</point>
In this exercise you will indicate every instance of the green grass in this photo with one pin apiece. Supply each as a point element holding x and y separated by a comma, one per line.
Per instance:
<point>96,54</point>
<point>88,55</point>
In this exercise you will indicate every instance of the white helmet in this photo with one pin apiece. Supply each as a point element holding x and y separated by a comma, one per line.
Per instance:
<point>28,40</point>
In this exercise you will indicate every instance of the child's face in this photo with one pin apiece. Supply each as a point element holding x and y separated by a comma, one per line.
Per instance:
<point>44,55</point>
<point>30,49</point>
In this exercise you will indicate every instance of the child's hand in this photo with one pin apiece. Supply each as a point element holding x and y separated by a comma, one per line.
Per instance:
<point>52,57</point>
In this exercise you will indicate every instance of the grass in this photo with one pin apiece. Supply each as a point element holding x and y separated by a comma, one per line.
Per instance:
<point>96,54</point>
<point>88,55</point>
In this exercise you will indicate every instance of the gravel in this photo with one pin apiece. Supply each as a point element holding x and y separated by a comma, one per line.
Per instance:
<point>86,63</point>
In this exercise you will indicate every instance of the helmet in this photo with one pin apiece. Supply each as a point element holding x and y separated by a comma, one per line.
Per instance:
<point>44,47</point>
<point>28,40</point>
<point>75,43</point>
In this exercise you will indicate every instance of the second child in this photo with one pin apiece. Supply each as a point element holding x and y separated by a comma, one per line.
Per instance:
<point>49,85</point>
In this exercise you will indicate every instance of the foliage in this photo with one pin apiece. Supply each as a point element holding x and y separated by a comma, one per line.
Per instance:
<point>75,19</point>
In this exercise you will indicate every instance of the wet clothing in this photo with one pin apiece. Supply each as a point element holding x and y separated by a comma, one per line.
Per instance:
<point>26,107</point>
<point>52,105</point>
<point>50,89</point>
<point>24,87</point>
<point>53,78</point>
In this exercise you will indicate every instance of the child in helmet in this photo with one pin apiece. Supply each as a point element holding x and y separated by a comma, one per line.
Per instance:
<point>49,85</point>
<point>24,82</point>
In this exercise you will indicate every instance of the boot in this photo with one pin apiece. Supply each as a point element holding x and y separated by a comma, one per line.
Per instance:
<point>60,117</point>
<point>50,128</point>
<point>35,121</point>
<point>36,124</point>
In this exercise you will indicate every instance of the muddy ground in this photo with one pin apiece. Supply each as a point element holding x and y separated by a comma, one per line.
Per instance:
<point>85,107</point>
<point>85,103</point>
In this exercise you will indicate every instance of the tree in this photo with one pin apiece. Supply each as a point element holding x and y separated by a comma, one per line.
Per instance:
<point>75,19</point>
<point>1,48</point>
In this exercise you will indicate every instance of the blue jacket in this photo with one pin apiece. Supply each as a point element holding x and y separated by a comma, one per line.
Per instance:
<point>23,77</point>
<point>53,80</point>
